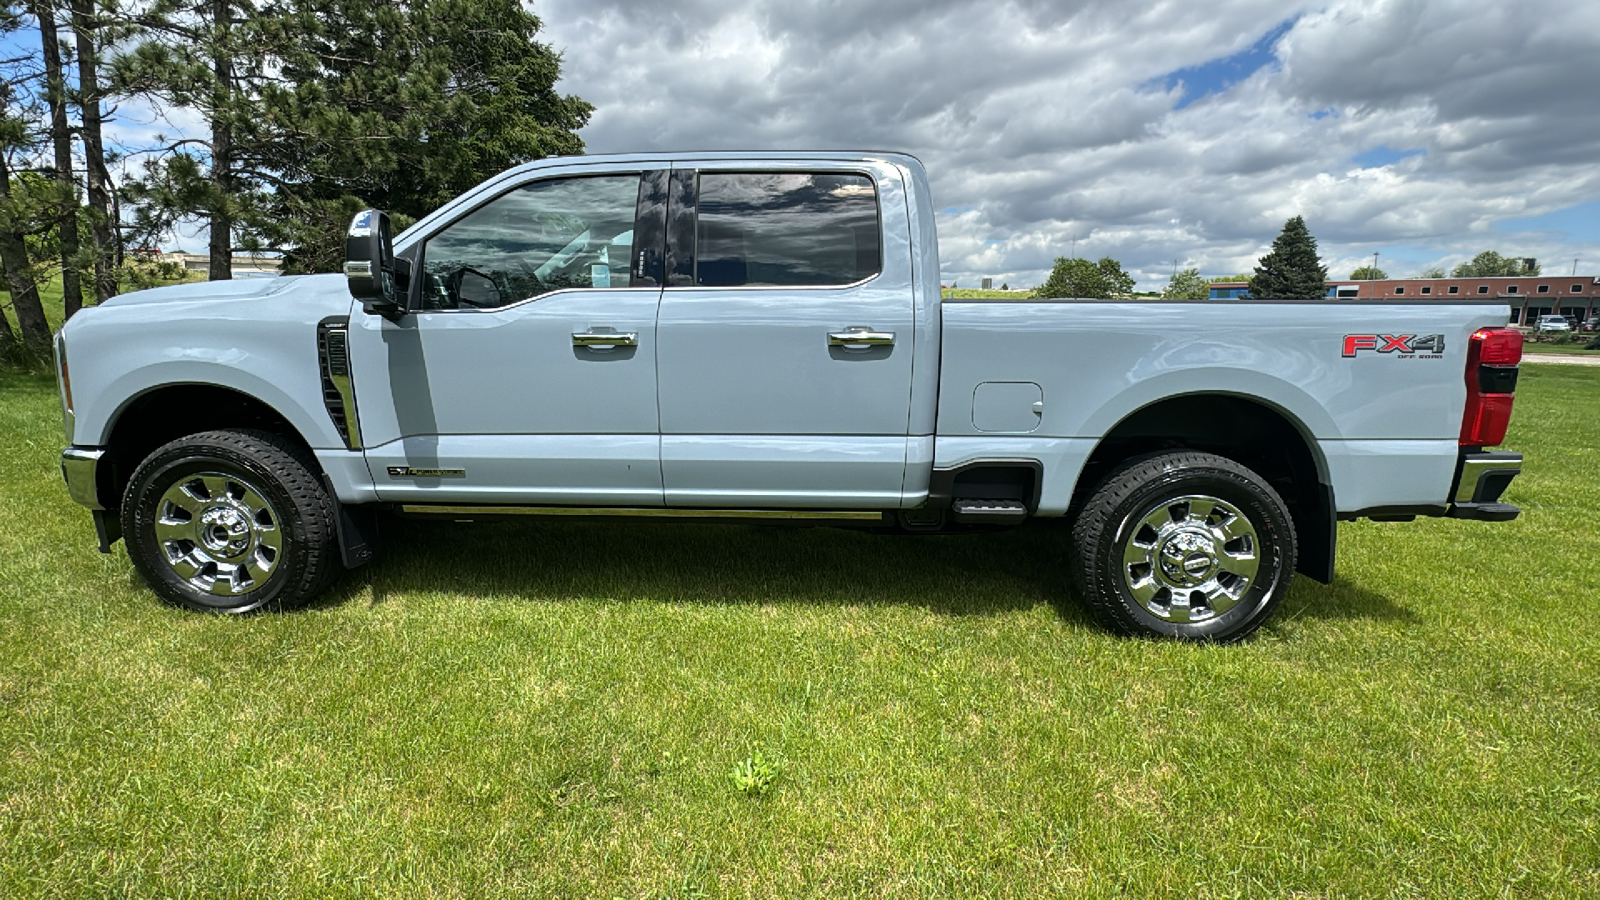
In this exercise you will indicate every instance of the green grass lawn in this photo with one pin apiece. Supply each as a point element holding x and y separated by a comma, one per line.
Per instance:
<point>1563,349</point>
<point>516,710</point>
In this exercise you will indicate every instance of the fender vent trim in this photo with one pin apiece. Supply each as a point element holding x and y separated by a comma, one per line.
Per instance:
<point>338,391</point>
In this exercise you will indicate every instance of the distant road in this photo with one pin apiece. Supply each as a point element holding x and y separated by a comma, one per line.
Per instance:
<point>1562,360</point>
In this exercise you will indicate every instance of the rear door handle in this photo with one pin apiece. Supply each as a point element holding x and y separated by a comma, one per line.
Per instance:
<point>860,336</point>
<point>605,339</point>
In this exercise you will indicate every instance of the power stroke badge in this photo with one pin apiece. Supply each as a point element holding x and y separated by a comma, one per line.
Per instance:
<point>1404,346</point>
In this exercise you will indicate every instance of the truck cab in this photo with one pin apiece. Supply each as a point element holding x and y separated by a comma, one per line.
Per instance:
<point>683,333</point>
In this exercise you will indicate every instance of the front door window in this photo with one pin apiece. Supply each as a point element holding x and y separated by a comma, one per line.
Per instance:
<point>541,237</point>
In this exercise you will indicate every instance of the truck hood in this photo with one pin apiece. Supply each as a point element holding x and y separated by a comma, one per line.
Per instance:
<point>238,289</point>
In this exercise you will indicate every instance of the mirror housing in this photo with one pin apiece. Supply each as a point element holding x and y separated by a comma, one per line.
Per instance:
<point>369,264</point>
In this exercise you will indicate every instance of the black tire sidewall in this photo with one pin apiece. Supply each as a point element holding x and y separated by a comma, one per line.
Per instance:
<point>1274,531</point>
<point>167,467</point>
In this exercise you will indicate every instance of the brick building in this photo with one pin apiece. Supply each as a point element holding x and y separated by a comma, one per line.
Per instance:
<point>1575,296</point>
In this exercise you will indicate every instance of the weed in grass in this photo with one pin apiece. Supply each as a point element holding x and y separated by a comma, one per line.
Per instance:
<point>755,775</point>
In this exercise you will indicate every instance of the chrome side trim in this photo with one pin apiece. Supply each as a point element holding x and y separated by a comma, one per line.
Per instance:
<point>79,466</point>
<point>347,396</point>
<point>1475,468</point>
<point>642,512</point>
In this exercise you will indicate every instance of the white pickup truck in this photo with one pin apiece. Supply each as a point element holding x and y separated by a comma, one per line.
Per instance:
<point>762,336</point>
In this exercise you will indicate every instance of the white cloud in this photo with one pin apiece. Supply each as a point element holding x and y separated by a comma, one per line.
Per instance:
<point>1048,121</point>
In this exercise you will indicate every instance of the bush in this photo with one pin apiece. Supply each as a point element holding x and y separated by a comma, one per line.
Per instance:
<point>1594,343</point>
<point>136,274</point>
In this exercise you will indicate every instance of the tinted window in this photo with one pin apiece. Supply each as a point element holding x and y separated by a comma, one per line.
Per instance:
<point>773,228</point>
<point>542,237</point>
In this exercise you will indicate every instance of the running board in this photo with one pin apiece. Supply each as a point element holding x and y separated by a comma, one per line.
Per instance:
<point>817,515</point>
<point>999,512</point>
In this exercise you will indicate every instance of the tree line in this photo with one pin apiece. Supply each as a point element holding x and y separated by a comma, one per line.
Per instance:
<point>309,110</point>
<point>1291,269</point>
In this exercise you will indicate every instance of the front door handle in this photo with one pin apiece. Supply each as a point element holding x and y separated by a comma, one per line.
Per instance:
<point>860,337</point>
<point>605,339</point>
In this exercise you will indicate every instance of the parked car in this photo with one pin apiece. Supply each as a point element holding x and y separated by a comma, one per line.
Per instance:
<point>1547,324</point>
<point>756,337</point>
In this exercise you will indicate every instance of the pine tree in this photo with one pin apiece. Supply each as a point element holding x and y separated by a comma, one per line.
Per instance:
<point>403,107</point>
<point>25,212</point>
<point>93,30</point>
<point>211,56</point>
<point>65,199</point>
<point>1291,270</point>
<point>318,108</point>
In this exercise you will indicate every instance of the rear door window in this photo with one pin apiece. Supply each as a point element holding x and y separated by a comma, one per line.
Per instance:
<point>786,229</point>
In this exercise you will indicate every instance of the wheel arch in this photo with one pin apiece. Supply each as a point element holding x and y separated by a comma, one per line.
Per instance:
<point>1248,429</point>
<point>166,412</point>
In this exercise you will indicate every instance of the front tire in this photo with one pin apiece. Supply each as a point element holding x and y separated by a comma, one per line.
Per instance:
<point>1185,545</point>
<point>230,521</point>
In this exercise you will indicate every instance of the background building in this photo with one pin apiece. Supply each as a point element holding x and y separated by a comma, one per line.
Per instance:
<point>1575,296</point>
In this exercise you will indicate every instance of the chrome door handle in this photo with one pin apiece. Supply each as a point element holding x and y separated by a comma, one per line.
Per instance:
<point>860,336</point>
<point>605,339</point>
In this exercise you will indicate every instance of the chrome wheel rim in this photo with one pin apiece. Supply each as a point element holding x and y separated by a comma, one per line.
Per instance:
<point>219,533</point>
<point>1189,559</point>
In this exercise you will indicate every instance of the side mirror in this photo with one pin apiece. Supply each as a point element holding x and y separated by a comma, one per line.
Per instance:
<point>369,264</point>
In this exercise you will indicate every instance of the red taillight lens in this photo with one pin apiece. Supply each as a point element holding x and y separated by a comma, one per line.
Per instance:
<point>1488,414</point>
<point>1497,346</point>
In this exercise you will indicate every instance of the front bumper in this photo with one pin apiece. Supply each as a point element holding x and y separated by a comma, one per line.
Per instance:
<point>80,467</point>
<point>1481,478</point>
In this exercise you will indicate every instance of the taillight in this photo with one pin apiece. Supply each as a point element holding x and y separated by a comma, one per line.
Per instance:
<point>1492,358</point>
<point>1496,346</point>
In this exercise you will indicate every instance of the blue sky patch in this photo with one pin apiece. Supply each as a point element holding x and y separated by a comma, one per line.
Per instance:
<point>1383,155</point>
<point>1581,222</point>
<point>1217,75</point>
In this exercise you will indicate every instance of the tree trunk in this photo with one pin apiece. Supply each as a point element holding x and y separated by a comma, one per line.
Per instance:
<point>96,176</point>
<point>19,279</point>
<point>221,263</point>
<point>8,338</point>
<point>61,137</point>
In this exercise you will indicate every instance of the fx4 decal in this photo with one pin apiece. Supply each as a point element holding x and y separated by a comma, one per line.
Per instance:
<point>1409,346</point>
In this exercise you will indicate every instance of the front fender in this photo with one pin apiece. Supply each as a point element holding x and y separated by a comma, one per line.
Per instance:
<point>261,346</point>
<point>95,422</point>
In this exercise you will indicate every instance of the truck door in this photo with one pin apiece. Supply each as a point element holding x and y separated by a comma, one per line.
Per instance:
<point>786,338</point>
<point>526,371</point>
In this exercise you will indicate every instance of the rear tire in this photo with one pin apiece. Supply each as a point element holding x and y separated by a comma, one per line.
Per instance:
<point>1183,545</point>
<point>230,521</point>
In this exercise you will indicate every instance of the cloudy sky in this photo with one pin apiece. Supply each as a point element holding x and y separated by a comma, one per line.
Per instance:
<point>1152,131</point>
